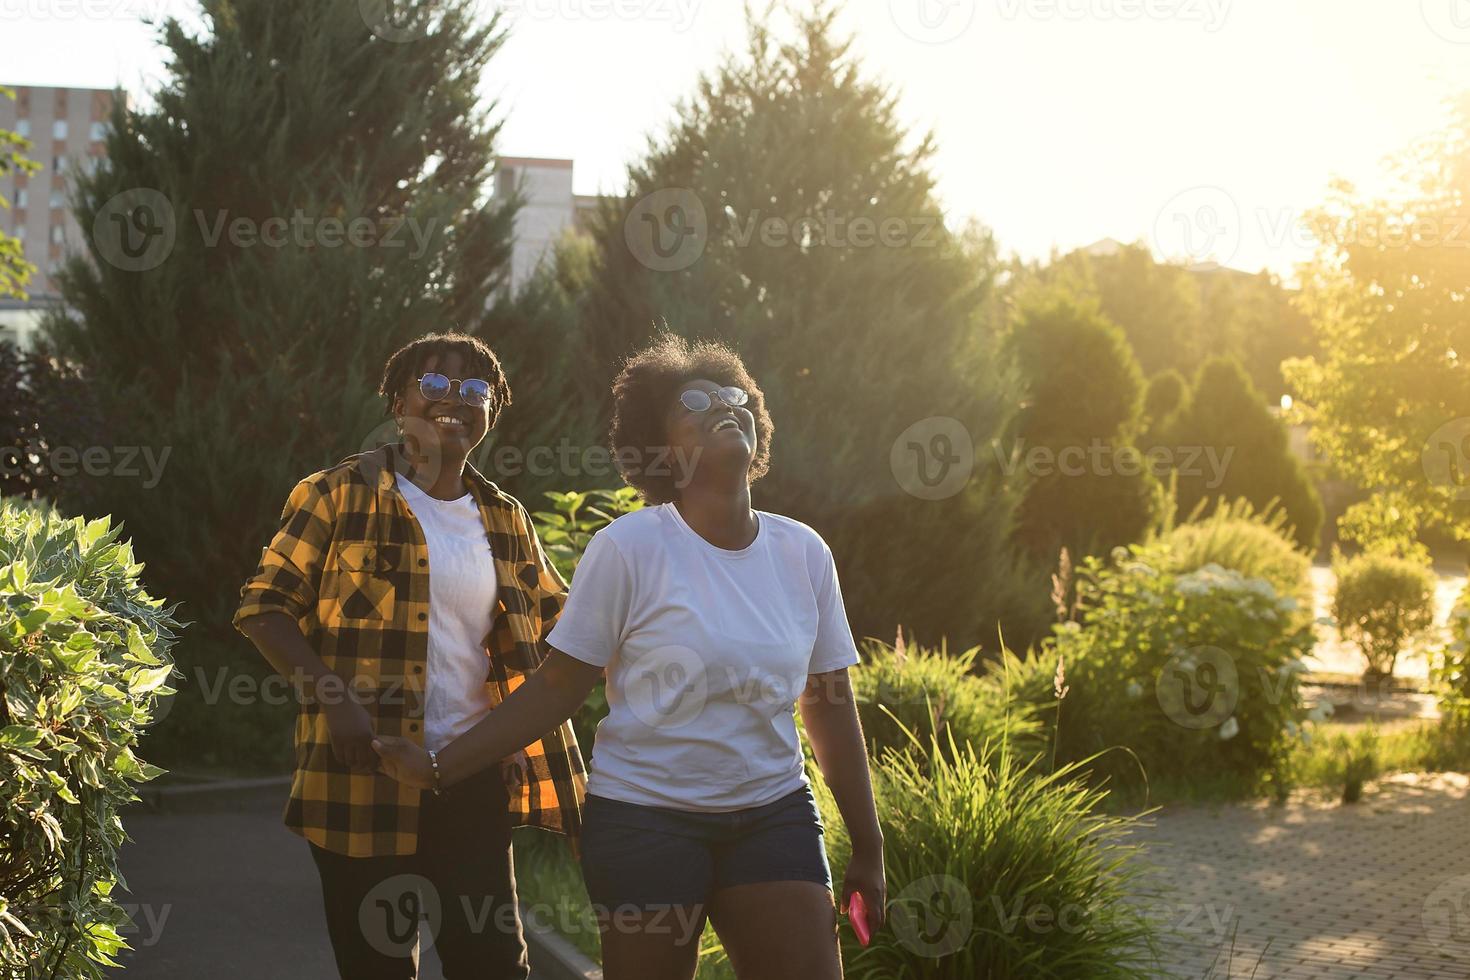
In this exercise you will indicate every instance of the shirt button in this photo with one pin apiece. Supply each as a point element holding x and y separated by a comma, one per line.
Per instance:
<point>423,562</point>
<point>423,616</point>
<point>413,727</point>
<point>418,669</point>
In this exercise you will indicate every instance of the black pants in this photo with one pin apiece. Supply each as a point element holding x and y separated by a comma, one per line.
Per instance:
<point>461,884</point>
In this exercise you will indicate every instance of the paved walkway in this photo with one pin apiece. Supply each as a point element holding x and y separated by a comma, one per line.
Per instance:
<point>1378,889</point>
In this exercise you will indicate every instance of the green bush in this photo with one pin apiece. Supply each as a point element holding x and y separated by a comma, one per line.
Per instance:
<point>934,694</point>
<point>564,532</point>
<point>1236,536</point>
<point>1195,674</point>
<point>83,661</point>
<point>1451,671</point>
<point>999,871</point>
<point>1382,604</point>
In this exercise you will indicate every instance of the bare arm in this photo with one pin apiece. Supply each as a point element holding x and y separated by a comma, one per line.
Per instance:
<point>829,712</point>
<point>279,639</point>
<point>548,697</point>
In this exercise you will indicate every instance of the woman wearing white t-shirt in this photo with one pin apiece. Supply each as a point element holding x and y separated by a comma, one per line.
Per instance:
<point>712,621</point>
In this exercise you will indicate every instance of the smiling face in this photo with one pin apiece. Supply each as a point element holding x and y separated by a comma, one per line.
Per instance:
<point>724,437</point>
<point>447,427</point>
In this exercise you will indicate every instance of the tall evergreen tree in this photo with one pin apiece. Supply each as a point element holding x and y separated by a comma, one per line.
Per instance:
<point>1228,415</point>
<point>788,213</point>
<point>303,195</point>
<point>1089,489</point>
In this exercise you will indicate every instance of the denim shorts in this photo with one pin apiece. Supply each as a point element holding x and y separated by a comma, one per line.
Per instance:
<point>654,856</point>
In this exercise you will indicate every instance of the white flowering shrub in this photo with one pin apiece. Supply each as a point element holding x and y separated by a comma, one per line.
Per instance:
<point>1196,674</point>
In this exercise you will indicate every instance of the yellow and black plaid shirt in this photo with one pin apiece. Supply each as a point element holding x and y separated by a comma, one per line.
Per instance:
<point>351,565</point>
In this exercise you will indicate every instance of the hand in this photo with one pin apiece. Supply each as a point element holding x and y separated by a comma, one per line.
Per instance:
<point>351,728</point>
<point>865,875</point>
<point>404,761</point>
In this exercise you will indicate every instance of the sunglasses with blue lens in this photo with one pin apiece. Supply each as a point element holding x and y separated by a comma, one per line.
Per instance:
<point>699,400</point>
<point>472,391</point>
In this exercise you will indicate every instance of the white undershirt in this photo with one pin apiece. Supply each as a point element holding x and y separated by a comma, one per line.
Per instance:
<point>462,594</point>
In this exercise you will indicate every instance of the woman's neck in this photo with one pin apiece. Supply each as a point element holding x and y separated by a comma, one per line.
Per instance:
<point>722,516</point>
<point>439,476</point>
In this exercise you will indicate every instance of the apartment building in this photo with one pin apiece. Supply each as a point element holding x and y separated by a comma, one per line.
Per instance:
<point>66,127</point>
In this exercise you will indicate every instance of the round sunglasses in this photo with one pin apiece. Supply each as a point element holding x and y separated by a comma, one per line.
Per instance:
<point>472,391</point>
<point>699,400</point>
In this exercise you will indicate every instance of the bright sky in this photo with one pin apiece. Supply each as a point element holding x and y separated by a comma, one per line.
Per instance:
<point>1204,127</point>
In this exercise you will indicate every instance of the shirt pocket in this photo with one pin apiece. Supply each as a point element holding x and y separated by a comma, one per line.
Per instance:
<point>365,592</point>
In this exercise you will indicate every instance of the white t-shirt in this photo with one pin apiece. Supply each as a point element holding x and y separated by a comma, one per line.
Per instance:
<point>462,594</point>
<point>706,652</point>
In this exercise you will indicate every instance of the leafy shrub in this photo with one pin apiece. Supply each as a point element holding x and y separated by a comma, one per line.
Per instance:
<point>1451,671</point>
<point>1001,872</point>
<point>1382,603</point>
<point>1236,536</point>
<point>564,532</point>
<point>83,661</point>
<point>936,695</point>
<point>566,528</point>
<point>1149,642</point>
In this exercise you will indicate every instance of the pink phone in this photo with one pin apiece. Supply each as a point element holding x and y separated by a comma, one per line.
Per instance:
<point>857,913</point>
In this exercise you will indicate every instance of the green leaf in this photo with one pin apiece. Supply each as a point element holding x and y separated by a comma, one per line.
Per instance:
<point>144,679</point>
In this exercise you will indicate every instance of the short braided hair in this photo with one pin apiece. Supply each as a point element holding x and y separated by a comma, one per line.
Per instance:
<point>479,360</point>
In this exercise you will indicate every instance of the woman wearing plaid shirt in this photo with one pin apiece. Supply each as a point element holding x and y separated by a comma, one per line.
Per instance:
<point>406,596</point>
<point>713,621</point>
